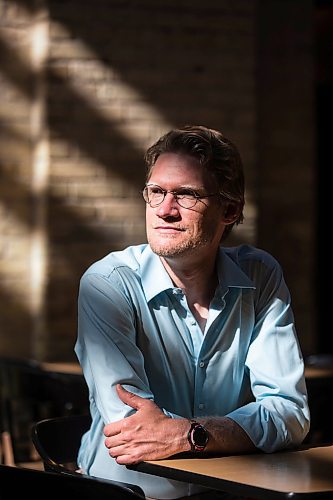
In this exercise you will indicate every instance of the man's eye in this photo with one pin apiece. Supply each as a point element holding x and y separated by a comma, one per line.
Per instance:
<point>186,194</point>
<point>156,190</point>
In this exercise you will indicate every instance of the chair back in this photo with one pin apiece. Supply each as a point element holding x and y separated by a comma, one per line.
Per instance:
<point>30,393</point>
<point>20,392</point>
<point>319,387</point>
<point>16,481</point>
<point>57,441</point>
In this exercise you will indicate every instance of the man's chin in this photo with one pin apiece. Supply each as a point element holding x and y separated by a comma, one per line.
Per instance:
<point>171,250</point>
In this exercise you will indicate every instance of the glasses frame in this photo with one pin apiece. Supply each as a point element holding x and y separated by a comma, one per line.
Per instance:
<point>197,197</point>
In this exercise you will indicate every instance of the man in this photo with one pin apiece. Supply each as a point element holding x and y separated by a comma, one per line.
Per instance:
<point>186,345</point>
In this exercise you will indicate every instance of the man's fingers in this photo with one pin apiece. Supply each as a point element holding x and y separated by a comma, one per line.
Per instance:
<point>134,401</point>
<point>112,429</point>
<point>129,398</point>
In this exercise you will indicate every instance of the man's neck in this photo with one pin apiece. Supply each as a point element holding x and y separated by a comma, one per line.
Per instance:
<point>198,280</point>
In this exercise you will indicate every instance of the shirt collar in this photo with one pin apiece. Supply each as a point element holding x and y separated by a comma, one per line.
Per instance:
<point>230,273</point>
<point>151,267</point>
<point>154,277</point>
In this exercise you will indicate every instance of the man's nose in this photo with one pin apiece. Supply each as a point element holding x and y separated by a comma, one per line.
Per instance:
<point>169,206</point>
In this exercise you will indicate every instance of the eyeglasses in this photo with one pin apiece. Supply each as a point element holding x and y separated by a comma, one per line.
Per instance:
<point>187,198</point>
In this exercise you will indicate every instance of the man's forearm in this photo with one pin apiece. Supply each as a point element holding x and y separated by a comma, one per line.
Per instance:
<point>149,434</point>
<point>226,436</point>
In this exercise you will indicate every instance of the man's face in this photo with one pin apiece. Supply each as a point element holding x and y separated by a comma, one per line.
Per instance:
<point>173,230</point>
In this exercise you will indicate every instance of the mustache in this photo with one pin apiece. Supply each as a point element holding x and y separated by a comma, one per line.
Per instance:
<point>173,226</point>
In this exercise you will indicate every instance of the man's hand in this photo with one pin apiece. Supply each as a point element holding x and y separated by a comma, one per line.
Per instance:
<point>147,435</point>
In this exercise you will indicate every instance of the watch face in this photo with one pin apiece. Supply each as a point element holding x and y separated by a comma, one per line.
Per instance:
<point>197,436</point>
<point>200,436</point>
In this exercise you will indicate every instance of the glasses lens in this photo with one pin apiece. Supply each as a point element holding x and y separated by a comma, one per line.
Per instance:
<point>186,200</point>
<point>153,195</point>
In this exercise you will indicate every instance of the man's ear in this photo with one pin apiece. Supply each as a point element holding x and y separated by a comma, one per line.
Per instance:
<point>231,212</point>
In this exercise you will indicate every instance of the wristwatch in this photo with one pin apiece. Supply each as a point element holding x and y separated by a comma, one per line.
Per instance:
<point>197,436</point>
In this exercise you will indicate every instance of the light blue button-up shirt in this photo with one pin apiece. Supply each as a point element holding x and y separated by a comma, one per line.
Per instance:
<point>135,328</point>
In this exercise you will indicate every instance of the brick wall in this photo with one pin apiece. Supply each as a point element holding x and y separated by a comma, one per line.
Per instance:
<point>286,162</point>
<point>85,88</point>
<point>16,87</point>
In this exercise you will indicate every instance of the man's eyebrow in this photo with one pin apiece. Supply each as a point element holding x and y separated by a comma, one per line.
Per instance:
<point>179,188</point>
<point>192,188</point>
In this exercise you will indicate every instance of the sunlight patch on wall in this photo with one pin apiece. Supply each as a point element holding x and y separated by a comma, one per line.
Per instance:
<point>104,88</point>
<point>14,267</point>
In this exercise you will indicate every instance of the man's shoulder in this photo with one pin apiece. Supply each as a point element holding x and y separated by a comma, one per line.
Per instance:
<point>129,259</point>
<point>247,253</point>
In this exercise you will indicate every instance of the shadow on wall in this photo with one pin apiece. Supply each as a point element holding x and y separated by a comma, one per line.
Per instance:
<point>116,77</point>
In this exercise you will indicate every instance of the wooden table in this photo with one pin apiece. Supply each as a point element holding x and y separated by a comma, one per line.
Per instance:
<point>302,474</point>
<point>62,367</point>
<point>74,367</point>
<point>312,372</point>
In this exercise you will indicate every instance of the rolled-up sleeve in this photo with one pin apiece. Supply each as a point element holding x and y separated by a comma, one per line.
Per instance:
<point>106,344</point>
<point>279,416</point>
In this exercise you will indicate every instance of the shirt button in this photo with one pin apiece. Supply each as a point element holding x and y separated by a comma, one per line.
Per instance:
<point>193,322</point>
<point>201,406</point>
<point>201,364</point>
